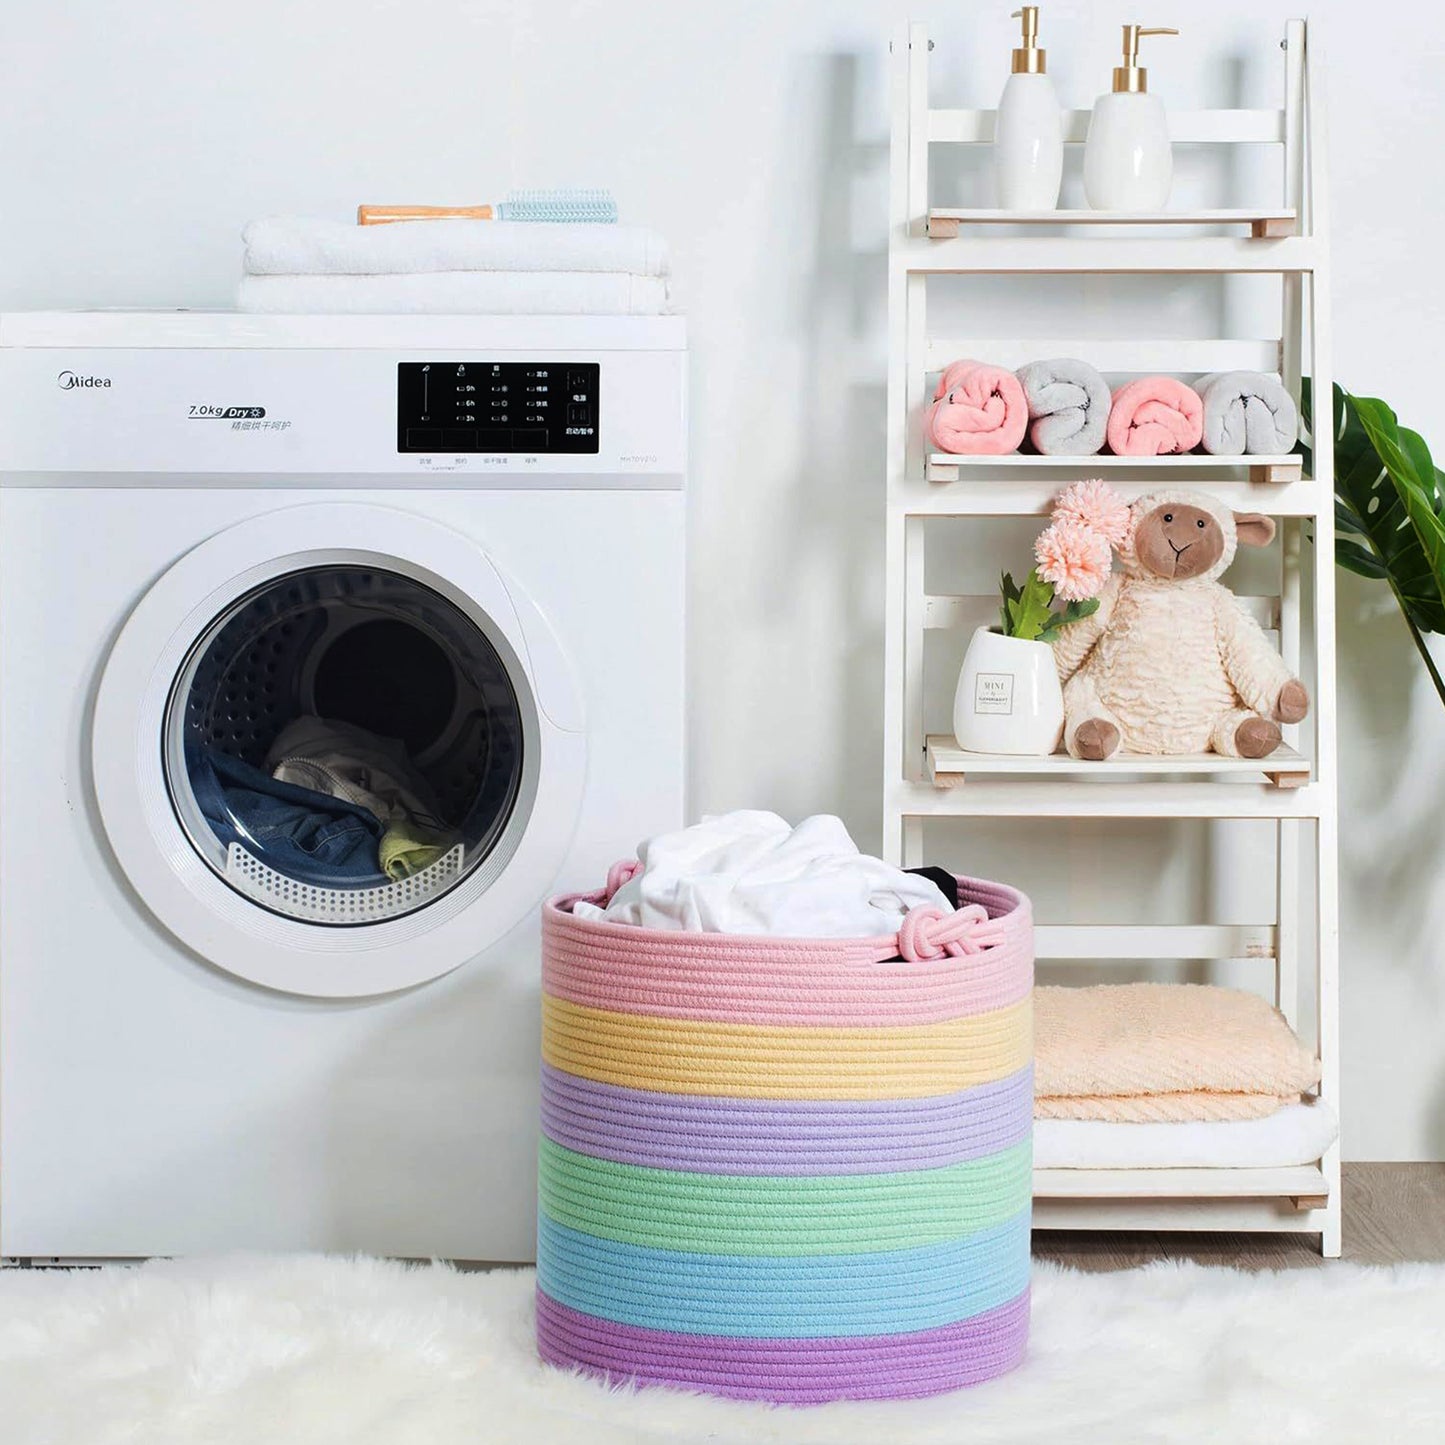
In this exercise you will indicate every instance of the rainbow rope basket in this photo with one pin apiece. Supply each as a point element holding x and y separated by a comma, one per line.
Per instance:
<point>787,1169</point>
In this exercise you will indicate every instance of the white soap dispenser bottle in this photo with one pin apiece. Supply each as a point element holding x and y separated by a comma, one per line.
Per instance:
<point>1028,143</point>
<point>1128,161</point>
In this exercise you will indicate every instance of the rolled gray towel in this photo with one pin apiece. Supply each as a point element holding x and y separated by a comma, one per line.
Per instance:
<point>1246,411</point>
<point>1068,406</point>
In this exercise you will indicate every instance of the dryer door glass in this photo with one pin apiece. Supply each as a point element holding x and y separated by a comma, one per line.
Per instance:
<point>343,745</point>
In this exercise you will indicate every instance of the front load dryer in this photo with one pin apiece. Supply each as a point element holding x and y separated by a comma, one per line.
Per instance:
<point>243,1005</point>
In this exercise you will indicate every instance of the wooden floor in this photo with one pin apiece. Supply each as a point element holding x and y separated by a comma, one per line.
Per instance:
<point>1393,1212</point>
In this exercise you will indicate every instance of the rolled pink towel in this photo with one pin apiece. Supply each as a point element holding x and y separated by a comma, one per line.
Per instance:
<point>1155,416</point>
<point>978,410</point>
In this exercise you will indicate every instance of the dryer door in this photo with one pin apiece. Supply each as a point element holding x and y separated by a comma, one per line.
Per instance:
<point>336,752</point>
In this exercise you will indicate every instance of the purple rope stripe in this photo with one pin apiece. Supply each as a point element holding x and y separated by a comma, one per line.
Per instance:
<point>784,1137</point>
<point>791,1372</point>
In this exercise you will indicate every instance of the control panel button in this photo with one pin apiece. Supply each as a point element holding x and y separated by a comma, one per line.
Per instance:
<point>494,439</point>
<point>423,439</point>
<point>459,439</point>
<point>530,438</point>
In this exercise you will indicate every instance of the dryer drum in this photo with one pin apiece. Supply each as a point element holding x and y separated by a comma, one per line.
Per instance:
<point>386,663</point>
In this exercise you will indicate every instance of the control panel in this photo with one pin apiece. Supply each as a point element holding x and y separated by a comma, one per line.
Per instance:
<point>497,406</point>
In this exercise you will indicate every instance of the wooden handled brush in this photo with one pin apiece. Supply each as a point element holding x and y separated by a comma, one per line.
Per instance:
<point>595,206</point>
<point>381,215</point>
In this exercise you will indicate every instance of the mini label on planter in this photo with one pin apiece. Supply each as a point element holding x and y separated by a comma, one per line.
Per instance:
<point>993,692</point>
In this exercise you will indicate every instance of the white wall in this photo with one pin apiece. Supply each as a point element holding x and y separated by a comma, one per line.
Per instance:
<point>135,139</point>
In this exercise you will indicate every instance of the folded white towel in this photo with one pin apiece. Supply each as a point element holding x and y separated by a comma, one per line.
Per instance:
<point>750,872</point>
<point>1295,1134</point>
<point>486,293</point>
<point>303,246</point>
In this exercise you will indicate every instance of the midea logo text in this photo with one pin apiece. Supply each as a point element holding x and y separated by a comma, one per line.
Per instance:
<point>68,381</point>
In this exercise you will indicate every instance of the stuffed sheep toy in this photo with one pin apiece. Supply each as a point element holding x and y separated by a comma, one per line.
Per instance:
<point>1170,662</point>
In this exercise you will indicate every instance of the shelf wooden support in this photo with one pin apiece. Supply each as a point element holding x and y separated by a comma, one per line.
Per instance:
<point>949,765</point>
<point>1275,472</point>
<point>944,223</point>
<point>1267,227</point>
<point>1288,779</point>
<point>1260,470</point>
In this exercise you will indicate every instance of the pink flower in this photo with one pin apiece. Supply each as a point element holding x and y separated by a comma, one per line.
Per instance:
<point>1094,503</point>
<point>1075,558</point>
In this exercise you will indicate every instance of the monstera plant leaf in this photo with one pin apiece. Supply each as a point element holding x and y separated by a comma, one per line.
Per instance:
<point>1389,509</point>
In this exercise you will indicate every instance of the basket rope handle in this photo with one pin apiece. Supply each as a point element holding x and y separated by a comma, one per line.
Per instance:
<point>929,933</point>
<point>925,934</point>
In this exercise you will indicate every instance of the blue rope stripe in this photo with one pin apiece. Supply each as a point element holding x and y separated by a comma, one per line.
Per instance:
<point>765,1297</point>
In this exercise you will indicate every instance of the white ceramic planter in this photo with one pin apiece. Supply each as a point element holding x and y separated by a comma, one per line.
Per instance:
<point>1008,699</point>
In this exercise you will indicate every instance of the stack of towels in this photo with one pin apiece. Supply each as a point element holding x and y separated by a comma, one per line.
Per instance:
<point>1064,407</point>
<point>1200,1076</point>
<point>453,266</point>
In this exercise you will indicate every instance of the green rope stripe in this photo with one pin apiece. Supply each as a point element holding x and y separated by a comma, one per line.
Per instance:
<point>766,1215</point>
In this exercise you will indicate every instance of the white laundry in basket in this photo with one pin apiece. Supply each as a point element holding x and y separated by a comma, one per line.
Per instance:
<point>752,872</point>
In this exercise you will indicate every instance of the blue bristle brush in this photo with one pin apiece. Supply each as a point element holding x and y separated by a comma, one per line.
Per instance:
<point>567,205</point>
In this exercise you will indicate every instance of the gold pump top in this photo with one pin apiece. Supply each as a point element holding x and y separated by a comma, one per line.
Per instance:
<point>1029,59</point>
<point>1131,76</point>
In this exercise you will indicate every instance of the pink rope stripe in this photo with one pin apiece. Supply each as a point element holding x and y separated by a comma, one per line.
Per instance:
<point>954,965</point>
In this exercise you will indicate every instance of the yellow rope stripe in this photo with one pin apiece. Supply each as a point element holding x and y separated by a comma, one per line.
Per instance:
<point>755,1061</point>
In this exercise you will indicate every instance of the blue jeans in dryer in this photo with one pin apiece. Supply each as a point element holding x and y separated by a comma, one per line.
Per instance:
<point>306,835</point>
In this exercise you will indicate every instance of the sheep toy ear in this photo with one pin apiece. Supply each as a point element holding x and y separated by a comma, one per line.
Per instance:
<point>1253,529</point>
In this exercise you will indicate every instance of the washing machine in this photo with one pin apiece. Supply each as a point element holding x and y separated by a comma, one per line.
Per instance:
<point>244,1006</point>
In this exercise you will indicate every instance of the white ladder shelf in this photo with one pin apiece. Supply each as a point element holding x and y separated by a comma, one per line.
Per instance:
<point>927,777</point>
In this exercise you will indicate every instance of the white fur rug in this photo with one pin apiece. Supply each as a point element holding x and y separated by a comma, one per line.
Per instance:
<point>327,1351</point>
